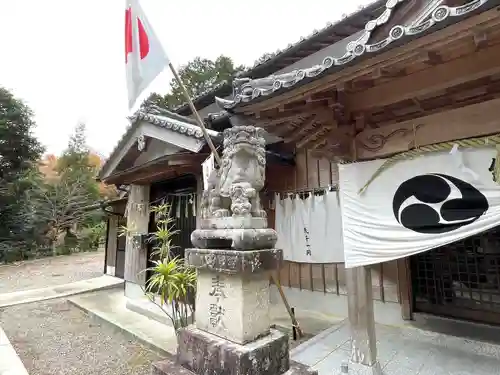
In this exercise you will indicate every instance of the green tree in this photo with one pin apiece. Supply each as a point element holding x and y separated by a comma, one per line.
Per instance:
<point>199,75</point>
<point>75,164</point>
<point>19,153</point>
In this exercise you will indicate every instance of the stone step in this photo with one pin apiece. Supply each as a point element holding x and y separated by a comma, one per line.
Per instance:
<point>147,308</point>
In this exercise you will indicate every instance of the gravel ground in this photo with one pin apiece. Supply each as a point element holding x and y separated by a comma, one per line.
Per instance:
<point>56,338</point>
<point>52,271</point>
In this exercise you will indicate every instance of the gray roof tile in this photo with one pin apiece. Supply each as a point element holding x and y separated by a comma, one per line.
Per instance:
<point>247,90</point>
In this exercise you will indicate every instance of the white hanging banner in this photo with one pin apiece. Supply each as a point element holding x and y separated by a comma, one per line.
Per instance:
<point>310,230</point>
<point>208,166</point>
<point>417,205</point>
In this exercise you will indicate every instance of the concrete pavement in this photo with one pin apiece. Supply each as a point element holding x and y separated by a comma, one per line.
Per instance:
<point>77,287</point>
<point>10,363</point>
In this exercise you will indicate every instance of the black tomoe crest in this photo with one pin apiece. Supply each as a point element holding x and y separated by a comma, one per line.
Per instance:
<point>435,189</point>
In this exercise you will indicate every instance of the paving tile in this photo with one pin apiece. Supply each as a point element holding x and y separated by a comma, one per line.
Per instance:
<point>337,337</point>
<point>332,363</point>
<point>411,351</point>
<point>313,355</point>
<point>385,356</point>
<point>410,358</point>
<point>488,366</point>
<point>398,369</point>
<point>434,370</point>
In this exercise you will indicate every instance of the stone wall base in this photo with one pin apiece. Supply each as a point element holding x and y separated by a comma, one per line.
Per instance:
<point>202,353</point>
<point>171,367</point>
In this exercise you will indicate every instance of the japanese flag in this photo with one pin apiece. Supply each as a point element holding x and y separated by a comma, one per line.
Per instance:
<point>144,54</point>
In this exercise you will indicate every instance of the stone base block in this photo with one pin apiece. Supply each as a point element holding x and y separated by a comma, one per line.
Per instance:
<point>172,367</point>
<point>297,368</point>
<point>206,354</point>
<point>238,239</point>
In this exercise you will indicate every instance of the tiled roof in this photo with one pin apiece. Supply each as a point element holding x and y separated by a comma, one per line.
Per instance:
<point>161,118</point>
<point>247,90</point>
<point>275,61</point>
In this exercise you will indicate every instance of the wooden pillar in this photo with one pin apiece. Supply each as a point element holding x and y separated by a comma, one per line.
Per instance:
<point>404,288</point>
<point>360,308</point>
<point>199,195</point>
<point>111,245</point>
<point>361,317</point>
<point>136,253</point>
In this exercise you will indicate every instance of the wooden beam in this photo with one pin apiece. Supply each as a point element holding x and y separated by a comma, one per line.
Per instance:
<point>387,73</point>
<point>164,175</point>
<point>480,39</point>
<point>311,136</point>
<point>284,115</point>
<point>360,122</point>
<point>276,121</point>
<point>151,170</point>
<point>471,67</point>
<point>304,127</point>
<point>337,135</point>
<point>431,58</point>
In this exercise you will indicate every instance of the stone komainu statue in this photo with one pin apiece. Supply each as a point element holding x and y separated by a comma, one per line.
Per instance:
<point>232,215</point>
<point>233,189</point>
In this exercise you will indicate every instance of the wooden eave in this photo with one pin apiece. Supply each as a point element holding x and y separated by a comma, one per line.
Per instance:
<point>159,169</point>
<point>450,68</point>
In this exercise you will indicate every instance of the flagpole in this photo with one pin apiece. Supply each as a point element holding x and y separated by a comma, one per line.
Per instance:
<point>196,114</point>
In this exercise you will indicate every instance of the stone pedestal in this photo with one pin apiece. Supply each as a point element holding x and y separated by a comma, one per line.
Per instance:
<point>232,296</point>
<point>237,307</point>
<point>362,321</point>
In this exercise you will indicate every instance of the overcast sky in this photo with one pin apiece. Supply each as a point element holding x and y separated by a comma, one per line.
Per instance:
<point>65,58</point>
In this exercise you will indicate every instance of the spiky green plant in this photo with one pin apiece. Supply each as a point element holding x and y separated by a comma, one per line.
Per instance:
<point>171,280</point>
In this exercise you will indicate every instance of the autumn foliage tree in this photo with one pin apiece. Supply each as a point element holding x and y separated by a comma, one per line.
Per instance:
<point>64,199</point>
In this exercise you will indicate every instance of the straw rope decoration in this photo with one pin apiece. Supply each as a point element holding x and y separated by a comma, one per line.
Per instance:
<point>492,140</point>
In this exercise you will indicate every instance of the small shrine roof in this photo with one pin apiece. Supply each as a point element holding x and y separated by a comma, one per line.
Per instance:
<point>162,119</point>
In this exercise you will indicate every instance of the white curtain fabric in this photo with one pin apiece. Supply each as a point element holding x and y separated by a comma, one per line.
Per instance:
<point>417,205</point>
<point>310,230</point>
